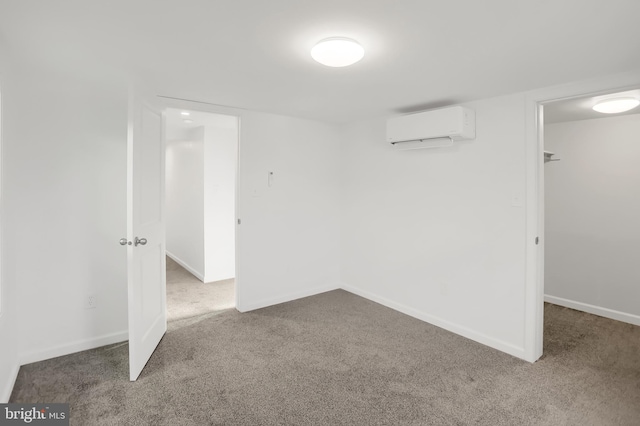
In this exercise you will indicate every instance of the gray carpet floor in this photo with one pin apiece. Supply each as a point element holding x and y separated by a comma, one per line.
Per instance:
<point>338,359</point>
<point>188,297</point>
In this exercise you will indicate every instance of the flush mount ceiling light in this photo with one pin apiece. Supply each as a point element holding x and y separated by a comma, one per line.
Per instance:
<point>337,52</point>
<point>185,113</point>
<point>613,106</point>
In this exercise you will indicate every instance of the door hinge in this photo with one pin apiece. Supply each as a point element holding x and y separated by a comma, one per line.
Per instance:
<point>537,239</point>
<point>239,221</point>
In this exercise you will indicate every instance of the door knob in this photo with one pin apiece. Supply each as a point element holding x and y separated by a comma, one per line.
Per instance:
<point>141,241</point>
<point>124,242</point>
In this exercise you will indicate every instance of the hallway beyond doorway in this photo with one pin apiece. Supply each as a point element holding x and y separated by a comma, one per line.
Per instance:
<point>188,297</point>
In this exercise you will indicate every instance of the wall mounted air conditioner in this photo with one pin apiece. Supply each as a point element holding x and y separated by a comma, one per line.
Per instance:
<point>431,129</point>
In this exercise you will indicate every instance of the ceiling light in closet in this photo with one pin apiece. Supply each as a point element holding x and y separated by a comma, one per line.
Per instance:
<point>337,52</point>
<point>613,106</point>
<point>185,113</point>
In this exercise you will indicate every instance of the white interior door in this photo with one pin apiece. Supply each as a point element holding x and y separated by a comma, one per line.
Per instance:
<point>145,229</point>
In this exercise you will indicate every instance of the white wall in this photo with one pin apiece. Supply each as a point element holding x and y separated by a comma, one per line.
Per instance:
<point>592,209</point>
<point>289,239</point>
<point>220,160</point>
<point>64,175</point>
<point>184,201</point>
<point>435,233</point>
<point>9,362</point>
<point>8,289</point>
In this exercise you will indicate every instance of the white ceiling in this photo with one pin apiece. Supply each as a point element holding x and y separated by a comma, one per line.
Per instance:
<point>582,108</point>
<point>255,54</point>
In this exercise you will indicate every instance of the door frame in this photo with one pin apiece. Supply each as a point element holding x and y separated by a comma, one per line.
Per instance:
<point>534,170</point>
<point>192,105</point>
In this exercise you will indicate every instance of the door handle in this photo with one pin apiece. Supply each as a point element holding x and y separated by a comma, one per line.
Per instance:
<point>124,242</point>
<point>141,241</point>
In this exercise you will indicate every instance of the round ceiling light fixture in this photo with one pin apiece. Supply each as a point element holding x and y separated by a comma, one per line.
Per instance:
<point>614,106</point>
<point>337,52</point>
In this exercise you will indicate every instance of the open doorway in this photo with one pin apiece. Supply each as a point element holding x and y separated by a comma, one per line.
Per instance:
<point>592,237</point>
<point>591,205</point>
<point>200,200</point>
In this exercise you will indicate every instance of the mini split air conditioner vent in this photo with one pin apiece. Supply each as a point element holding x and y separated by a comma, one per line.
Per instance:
<point>431,129</point>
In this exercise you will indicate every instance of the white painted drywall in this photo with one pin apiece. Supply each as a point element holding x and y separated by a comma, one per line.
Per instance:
<point>184,201</point>
<point>592,206</point>
<point>289,239</point>
<point>220,160</point>
<point>8,350</point>
<point>8,324</point>
<point>8,289</point>
<point>64,180</point>
<point>435,232</point>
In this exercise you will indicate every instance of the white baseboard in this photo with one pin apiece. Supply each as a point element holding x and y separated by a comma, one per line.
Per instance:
<point>186,266</point>
<point>595,310</point>
<point>209,279</point>
<point>8,388</point>
<point>284,298</point>
<point>73,347</point>
<point>500,345</point>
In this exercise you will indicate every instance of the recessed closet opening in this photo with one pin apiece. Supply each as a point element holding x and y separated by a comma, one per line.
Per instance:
<point>592,206</point>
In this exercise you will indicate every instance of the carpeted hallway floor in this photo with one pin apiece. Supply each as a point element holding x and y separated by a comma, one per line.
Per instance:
<point>338,359</point>
<point>188,297</point>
